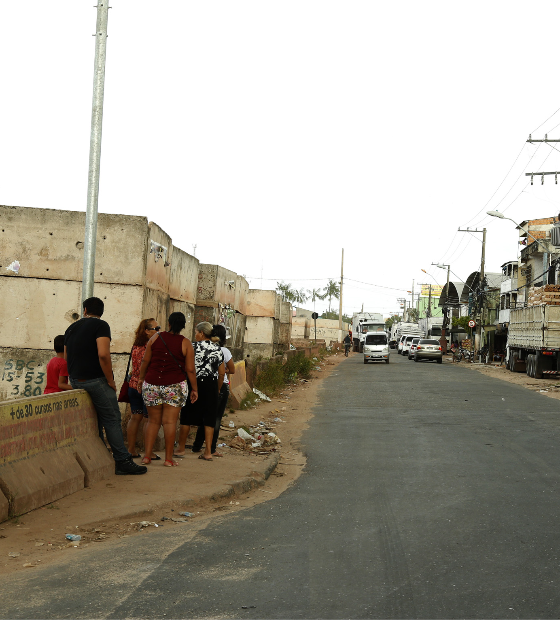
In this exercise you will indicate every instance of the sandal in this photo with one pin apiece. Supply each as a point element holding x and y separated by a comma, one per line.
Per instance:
<point>146,461</point>
<point>135,456</point>
<point>171,463</point>
<point>156,457</point>
<point>204,459</point>
<point>219,454</point>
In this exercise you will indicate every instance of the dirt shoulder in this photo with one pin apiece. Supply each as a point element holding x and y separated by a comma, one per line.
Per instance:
<point>115,508</point>
<point>548,387</point>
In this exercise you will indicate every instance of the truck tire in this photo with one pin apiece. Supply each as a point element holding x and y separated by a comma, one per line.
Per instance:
<point>530,365</point>
<point>539,366</point>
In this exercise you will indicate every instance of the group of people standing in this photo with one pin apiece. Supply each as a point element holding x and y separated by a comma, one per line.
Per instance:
<point>173,378</point>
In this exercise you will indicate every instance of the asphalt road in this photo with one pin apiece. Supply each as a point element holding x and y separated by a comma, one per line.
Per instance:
<point>431,491</point>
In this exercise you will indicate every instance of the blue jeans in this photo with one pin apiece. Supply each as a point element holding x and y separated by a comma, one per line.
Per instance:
<point>104,400</point>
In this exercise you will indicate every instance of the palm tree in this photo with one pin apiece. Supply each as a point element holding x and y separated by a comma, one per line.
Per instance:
<point>300,297</point>
<point>286,291</point>
<point>332,290</point>
<point>316,293</point>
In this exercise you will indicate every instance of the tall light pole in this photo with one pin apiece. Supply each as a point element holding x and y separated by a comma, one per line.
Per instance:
<point>445,309</point>
<point>340,299</point>
<point>95,148</point>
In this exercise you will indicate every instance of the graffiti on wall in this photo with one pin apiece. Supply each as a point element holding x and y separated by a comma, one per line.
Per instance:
<point>24,378</point>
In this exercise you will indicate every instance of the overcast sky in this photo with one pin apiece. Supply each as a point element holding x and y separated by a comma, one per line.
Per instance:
<point>273,134</point>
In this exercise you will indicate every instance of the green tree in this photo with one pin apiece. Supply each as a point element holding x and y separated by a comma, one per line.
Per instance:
<point>316,293</point>
<point>412,315</point>
<point>286,291</point>
<point>391,320</point>
<point>332,290</point>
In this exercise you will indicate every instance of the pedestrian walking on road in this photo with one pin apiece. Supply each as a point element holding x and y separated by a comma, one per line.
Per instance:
<point>138,411</point>
<point>220,332</point>
<point>87,344</point>
<point>167,362</point>
<point>210,371</point>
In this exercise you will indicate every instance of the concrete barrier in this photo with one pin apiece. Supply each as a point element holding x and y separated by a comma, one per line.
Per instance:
<point>238,385</point>
<point>49,448</point>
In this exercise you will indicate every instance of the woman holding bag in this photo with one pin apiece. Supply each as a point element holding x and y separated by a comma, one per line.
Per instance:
<point>168,361</point>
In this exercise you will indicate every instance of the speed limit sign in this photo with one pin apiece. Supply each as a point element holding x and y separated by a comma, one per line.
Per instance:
<point>471,323</point>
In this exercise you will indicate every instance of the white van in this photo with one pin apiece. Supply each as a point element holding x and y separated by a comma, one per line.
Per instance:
<point>376,347</point>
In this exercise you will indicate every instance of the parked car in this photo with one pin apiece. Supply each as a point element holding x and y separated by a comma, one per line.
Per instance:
<point>406,344</point>
<point>428,350</point>
<point>376,347</point>
<point>400,344</point>
<point>413,344</point>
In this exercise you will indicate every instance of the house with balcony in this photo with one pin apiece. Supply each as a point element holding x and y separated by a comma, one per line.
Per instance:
<point>508,292</point>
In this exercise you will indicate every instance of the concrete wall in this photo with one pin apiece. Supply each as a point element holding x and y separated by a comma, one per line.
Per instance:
<point>49,448</point>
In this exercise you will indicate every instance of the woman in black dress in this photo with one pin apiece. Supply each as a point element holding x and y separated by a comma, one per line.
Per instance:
<point>210,371</point>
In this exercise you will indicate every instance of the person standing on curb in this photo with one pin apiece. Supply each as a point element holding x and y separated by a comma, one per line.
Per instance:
<point>87,351</point>
<point>220,332</point>
<point>167,363</point>
<point>210,370</point>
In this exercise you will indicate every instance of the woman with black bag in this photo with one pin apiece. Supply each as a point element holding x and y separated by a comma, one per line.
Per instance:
<point>210,371</point>
<point>168,361</point>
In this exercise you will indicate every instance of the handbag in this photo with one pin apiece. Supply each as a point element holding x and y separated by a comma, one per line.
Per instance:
<point>123,394</point>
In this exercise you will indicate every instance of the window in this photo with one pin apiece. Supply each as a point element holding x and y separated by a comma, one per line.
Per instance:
<point>376,339</point>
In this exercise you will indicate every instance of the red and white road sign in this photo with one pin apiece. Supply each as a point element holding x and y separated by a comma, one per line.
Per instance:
<point>471,323</point>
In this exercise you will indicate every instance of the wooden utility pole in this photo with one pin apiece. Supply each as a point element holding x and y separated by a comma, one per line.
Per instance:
<point>340,299</point>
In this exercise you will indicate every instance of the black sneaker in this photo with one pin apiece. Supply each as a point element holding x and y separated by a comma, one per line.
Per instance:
<point>129,467</point>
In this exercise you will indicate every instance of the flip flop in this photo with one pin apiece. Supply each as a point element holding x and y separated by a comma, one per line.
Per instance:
<point>179,456</point>
<point>146,461</point>
<point>135,456</point>
<point>219,454</point>
<point>171,463</point>
<point>202,457</point>
<point>156,457</point>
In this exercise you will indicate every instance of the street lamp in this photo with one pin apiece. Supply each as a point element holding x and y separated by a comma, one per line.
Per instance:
<point>501,216</point>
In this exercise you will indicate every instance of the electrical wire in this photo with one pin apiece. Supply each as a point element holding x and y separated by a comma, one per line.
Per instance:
<point>500,185</point>
<point>546,122</point>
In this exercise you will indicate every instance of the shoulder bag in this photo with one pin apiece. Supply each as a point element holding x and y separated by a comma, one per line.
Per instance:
<point>123,394</point>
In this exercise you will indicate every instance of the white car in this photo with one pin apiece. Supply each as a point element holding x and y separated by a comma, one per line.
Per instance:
<point>406,344</point>
<point>400,344</point>
<point>376,348</point>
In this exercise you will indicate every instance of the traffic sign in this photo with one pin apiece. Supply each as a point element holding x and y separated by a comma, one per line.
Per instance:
<point>472,324</point>
<point>315,315</point>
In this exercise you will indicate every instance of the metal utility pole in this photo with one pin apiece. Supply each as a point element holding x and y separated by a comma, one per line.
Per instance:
<point>340,299</point>
<point>95,148</point>
<point>446,310</point>
<point>412,304</point>
<point>480,308</point>
<point>542,174</point>
<point>429,310</point>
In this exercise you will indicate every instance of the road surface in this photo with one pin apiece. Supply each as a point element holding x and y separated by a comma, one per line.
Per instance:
<point>430,491</point>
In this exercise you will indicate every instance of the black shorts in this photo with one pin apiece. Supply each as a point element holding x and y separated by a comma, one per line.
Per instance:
<point>203,412</point>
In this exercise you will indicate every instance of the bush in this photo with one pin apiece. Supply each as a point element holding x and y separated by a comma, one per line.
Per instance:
<point>277,375</point>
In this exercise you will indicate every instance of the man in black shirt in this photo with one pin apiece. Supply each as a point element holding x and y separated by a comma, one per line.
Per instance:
<point>87,351</point>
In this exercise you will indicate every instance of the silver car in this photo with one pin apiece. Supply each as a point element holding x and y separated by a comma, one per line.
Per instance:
<point>428,350</point>
<point>406,344</point>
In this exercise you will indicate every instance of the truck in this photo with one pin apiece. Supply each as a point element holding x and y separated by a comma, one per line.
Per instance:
<point>533,344</point>
<point>431,327</point>
<point>400,329</point>
<point>363,323</point>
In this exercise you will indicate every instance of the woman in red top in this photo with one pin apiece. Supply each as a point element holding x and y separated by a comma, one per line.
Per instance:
<point>146,329</point>
<point>168,360</point>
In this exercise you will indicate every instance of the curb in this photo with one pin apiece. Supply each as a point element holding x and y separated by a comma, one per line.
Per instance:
<point>256,478</point>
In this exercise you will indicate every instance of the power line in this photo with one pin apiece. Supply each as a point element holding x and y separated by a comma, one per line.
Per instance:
<point>546,121</point>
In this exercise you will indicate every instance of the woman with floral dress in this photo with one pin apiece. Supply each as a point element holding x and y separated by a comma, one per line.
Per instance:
<point>138,411</point>
<point>168,361</point>
<point>210,371</point>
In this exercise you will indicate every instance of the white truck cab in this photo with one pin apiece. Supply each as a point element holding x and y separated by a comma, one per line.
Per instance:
<point>376,347</point>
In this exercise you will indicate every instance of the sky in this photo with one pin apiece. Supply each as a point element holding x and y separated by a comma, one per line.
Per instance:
<point>271,135</point>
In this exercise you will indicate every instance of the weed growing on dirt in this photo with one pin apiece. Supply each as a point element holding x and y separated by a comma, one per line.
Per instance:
<point>249,401</point>
<point>276,375</point>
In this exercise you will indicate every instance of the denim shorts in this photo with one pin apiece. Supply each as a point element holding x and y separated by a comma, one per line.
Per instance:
<point>174,395</point>
<point>137,405</point>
